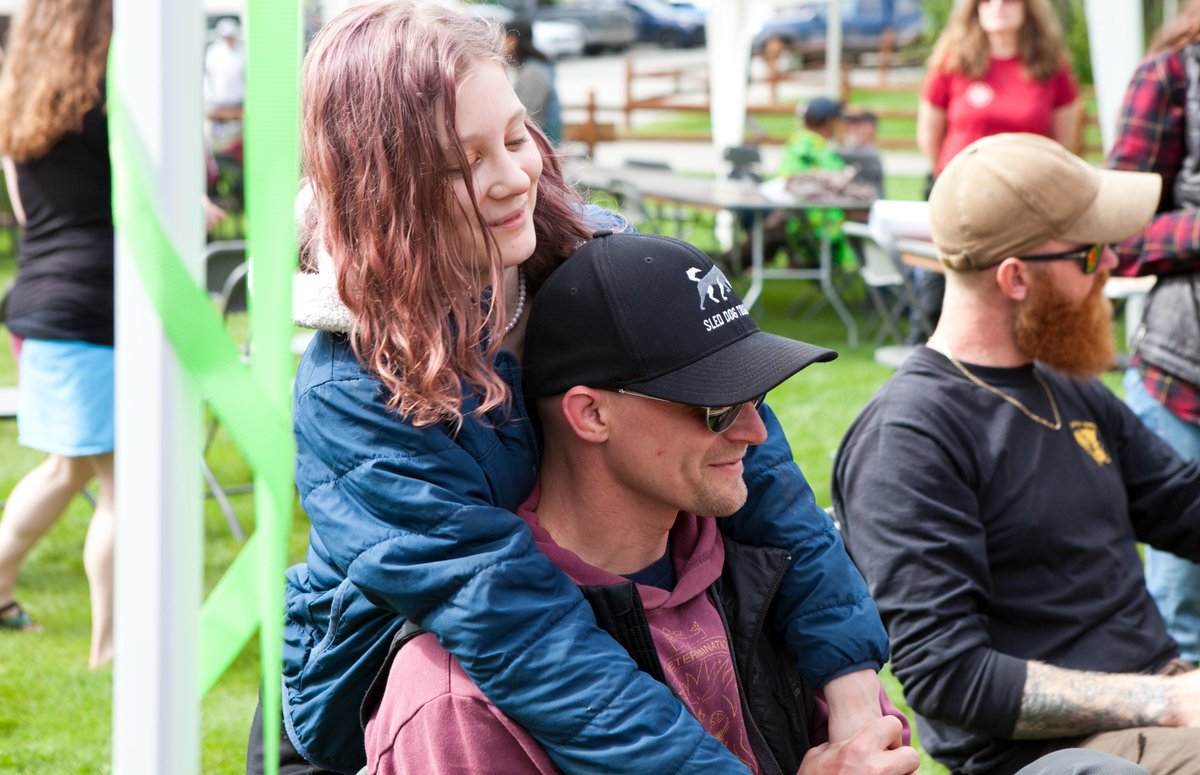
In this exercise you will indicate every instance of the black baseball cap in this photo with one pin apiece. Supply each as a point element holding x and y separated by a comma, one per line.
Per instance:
<point>652,314</point>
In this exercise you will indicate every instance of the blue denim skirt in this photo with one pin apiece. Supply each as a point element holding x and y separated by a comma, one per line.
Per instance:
<point>65,397</point>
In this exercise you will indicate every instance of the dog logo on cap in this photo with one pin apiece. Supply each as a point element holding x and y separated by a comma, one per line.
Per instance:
<point>709,283</point>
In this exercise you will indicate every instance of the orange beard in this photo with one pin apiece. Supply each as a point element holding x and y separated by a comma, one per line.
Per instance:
<point>1076,339</point>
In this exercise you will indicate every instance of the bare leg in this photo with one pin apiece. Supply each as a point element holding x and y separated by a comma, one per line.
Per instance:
<point>35,504</point>
<point>98,562</point>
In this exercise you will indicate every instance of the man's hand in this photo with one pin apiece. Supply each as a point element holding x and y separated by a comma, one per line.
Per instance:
<point>1183,700</point>
<point>875,749</point>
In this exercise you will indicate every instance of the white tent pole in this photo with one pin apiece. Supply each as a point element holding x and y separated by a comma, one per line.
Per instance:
<point>157,59</point>
<point>833,49</point>
<point>729,67</point>
<point>1115,40</point>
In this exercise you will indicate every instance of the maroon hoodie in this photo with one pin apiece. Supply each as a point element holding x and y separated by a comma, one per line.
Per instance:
<point>442,723</point>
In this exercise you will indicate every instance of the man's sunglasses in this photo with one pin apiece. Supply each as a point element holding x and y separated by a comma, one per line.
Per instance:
<point>1088,257</point>
<point>717,418</point>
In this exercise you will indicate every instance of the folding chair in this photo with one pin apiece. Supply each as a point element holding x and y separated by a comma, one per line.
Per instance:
<point>225,269</point>
<point>881,270</point>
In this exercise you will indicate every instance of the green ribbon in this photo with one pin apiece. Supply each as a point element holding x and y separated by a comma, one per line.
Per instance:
<point>252,402</point>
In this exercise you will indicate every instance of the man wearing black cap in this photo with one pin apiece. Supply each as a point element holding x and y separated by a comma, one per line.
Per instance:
<point>647,371</point>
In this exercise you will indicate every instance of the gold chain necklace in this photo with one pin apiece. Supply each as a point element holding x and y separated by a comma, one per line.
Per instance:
<point>1054,426</point>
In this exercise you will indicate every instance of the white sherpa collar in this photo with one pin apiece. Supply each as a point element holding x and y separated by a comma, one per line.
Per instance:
<point>315,300</point>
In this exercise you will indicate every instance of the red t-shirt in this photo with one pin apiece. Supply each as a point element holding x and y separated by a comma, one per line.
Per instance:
<point>1006,99</point>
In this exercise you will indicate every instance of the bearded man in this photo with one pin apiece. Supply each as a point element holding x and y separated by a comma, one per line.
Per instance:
<point>994,491</point>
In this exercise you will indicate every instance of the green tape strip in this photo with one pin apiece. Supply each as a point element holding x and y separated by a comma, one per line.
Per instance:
<point>252,402</point>
<point>272,142</point>
<point>208,355</point>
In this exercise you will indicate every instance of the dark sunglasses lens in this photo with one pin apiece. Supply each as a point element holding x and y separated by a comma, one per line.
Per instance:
<point>1092,260</point>
<point>720,418</point>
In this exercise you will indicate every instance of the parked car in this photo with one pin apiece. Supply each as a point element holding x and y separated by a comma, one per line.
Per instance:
<point>606,24</point>
<point>558,39</point>
<point>555,39</point>
<point>803,30</point>
<point>660,22</point>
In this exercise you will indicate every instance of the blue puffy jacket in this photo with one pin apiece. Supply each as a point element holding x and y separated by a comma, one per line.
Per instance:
<point>418,521</point>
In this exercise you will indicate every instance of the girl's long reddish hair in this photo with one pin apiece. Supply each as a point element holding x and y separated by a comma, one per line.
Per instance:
<point>378,95</point>
<point>54,64</point>
<point>963,46</point>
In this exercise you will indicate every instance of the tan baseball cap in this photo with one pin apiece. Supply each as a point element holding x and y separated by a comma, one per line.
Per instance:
<point>1006,194</point>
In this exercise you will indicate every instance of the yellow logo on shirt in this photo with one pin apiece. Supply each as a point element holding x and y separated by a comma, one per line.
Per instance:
<point>1088,437</point>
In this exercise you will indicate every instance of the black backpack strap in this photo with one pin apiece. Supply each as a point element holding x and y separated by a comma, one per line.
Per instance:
<point>406,633</point>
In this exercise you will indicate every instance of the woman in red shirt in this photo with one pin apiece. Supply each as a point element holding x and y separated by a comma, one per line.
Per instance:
<point>999,66</point>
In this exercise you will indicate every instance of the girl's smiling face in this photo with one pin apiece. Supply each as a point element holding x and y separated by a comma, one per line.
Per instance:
<point>504,165</point>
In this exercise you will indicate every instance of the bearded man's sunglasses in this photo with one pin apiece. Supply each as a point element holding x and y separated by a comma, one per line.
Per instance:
<point>1088,257</point>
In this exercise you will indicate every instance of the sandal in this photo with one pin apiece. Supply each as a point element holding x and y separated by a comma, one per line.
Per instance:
<point>13,617</point>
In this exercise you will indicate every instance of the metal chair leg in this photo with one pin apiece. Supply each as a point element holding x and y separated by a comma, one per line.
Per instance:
<point>218,493</point>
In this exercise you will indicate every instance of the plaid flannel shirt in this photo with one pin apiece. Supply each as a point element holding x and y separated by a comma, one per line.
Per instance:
<point>1151,139</point>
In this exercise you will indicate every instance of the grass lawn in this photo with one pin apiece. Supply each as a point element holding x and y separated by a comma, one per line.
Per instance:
<point>55,715</point>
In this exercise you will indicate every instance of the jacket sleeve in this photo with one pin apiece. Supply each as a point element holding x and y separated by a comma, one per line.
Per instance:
<point>1151,138</point>
<point>931,578</point>
<point>405,513</point>
<point>823,607</point>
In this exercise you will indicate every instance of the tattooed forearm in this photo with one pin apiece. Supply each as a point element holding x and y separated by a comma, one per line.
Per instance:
<point>1065,703</point>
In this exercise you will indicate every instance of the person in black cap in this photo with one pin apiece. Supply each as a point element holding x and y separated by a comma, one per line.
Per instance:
<point>648,373</point>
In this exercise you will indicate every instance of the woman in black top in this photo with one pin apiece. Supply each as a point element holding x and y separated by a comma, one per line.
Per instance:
<point>53,133</point>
